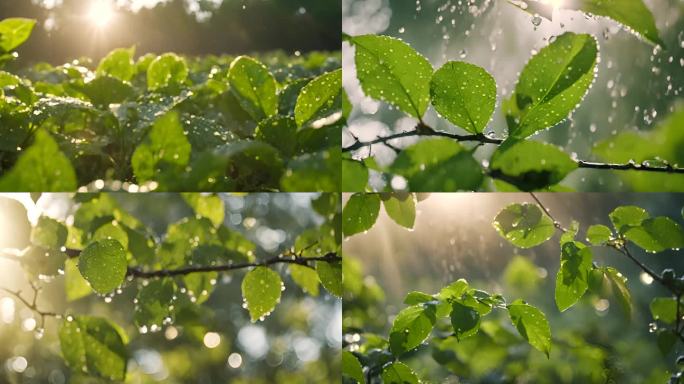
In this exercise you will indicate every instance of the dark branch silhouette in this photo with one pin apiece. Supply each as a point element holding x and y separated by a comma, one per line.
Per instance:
<point>424,130</point>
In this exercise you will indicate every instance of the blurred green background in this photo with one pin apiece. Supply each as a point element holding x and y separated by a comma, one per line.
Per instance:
<point>453,238</point>
<point>68,29</point>
<point>637,88</point>
<point>298,343</point>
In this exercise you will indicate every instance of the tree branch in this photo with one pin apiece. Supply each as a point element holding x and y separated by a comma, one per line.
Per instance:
<point>620,248</point>
<point>281,259</point>
<point>32,305</point>
<point>425,130</point>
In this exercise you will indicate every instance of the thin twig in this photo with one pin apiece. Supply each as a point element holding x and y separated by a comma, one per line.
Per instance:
<point>32,305</point>
<point>556,223</point>
<point>425,130</point>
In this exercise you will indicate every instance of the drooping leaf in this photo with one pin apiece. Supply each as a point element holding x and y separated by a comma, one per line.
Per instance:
<point>392,71</point>
<point>666,340</point>
<point>552,84</point>
<point>351,367</point>
<point>465,320</point>
<point>531,165</point>
<point>633,14</point>
<point>261,290</point>
<point>401,209</point>
<point>598,234</point>
<point>619,286</point>
<point>438,165</point>
<point>254,87</point>
<point>411,327</point>
<point>42,167</point>
<point>164,148</point>
<point>94,346</point>
<point>524,225</point>
<point>305,277</point>
<point>319,98</point>
<point>657,234</point>
<point>14,32</point>
<point>398,373</point>
<point>531,324</point>
<point>573,275</point>
<point>330,275</point>
<point>360,213</point>
<point>153,303</point>
<point>354,175</point>
<point>103,265</point>
<point>464,94</point>
<point>167,72</point>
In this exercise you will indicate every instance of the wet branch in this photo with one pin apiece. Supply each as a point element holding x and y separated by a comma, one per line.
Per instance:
<point>622,248</point>
<point>280,259</point>
<point>425,130</point>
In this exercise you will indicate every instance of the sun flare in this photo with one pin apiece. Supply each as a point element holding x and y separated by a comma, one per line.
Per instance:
<point>101,13</point>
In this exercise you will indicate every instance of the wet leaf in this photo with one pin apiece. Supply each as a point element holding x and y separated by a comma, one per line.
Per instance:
<point>261,289</point>
<point>103,265</point>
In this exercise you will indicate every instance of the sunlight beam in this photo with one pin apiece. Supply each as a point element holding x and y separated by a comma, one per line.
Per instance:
<point>101,13</point>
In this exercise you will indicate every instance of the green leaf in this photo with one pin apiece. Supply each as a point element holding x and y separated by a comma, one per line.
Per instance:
<point>104,90</point>
<point>93,346</point>
<point>454,290</point>
<point>438,165</point>
<point>330,275</point>
<point>351,367</point>
<point>411,327</point>
<point>14,32</point>
<point>552,84</point>
<point>666,339</point>
<point>254,87</point>
<point>319,98</point>
<point>625,217</point>
<point>254,164</point>
<point>164,148</point>
<point>570,234</point>
<point>391,70</point>
<point>619,286</point>
<point>531,165</point>
<point>318,171</point>
<point>305,277</point>
<point>75,285</point>
<point>417,297</point>
<point>42,167</point>
<point>209,206</point>
<point>261,289</point>
<point>465,320</point>
<point>354,175</point>
<point>112,231</point>
<point>598,234</point>
<point>118,64</point>
<point>524,225</point>
<point>573,276</point>
<point>401,209</point>
<point>280,132</point>
<point>531,324</point>
<point>464,94</point>
<point>201,285</point>
<point>103,265</point>
<point>153,304</point>
<point>631,13</point>
<point>657,234</point>
<point>49,233</point>
<point>360,213</point>
<point>665,309</point>
<point>398,373</point>
<point>167,72</point>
